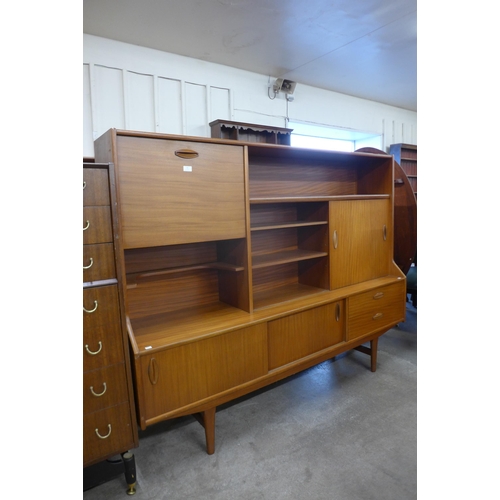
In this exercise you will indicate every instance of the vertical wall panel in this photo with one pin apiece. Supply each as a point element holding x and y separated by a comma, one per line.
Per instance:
<point>220,104</point>
<point>88,140</point>
<point>140,102</point>
<point>169,106</point>
<point>196,110</point>
<point>109,101</point>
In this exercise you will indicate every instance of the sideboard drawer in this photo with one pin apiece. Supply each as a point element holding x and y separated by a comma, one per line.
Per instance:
<point>95,187</point>
<point>100,306</point>
<point>102,346</point>
<point>104,388</point>
<point>375,309</point>
<point>97,225</point>
<point>107,431</point>
<point>98,262</point>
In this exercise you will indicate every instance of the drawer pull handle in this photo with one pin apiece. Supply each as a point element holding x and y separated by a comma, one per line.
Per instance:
<point>335,239</point>
<point>187,154</point>
<point>91,310</point>
<point>95,393</point>
<point>93,353</point>
<point>385,232</point>
<point>87,226</point>
<point>378,295</point>
<point>153,371</point>
<point>84,184</point>
<point>377,316</point>
<point>90,265</point>
<point>337,312</point>
<point>106,436</point>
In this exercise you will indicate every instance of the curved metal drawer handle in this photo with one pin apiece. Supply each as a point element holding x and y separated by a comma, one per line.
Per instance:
<point>378,295</point>
<point>92,310</point>
<point>384,231</point>
<point>335,239</point>
<point>377,316</point>
<point>84,184</point>
<point>106,436</point>
<point>87,226</point>
<point>95,393</point>
<point>93,353</point>
<point>337,312</point>
<point>90,265</point>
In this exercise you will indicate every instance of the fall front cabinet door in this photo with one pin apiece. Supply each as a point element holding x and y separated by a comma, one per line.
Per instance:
<point>360,240</point>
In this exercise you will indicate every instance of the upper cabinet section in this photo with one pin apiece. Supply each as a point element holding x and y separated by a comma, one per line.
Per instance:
<point>281,173</point>
<point>175,191</point>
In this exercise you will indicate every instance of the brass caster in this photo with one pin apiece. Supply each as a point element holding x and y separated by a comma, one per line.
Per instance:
<point>131,489</point>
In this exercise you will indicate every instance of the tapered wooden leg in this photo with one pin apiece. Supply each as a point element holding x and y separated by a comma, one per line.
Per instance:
<point>373,353</point>
<point>207,419</point>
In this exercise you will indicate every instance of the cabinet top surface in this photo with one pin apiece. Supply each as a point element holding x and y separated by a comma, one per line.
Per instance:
<point>254,148</point>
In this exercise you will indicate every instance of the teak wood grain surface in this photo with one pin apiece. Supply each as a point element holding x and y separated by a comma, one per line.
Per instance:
<point>247,262</point>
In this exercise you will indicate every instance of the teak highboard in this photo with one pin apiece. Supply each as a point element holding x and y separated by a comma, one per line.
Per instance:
<point>245,263</point>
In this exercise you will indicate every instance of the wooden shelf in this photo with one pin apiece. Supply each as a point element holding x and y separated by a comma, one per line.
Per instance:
<point>283,225</point>
<point>132,279</point>
<point>296,199</point>
<point>284,257</point>
<point>279,295</point>
<point>250,132</point>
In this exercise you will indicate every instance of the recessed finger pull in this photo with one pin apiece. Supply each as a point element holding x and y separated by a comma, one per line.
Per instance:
<point>90,265</point>
<point>98,395</point>
<point>107,435</point>
<point>90,311</point>
<point>93,353</point>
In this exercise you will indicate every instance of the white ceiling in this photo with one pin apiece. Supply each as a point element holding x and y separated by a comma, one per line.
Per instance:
<point>363,48</point>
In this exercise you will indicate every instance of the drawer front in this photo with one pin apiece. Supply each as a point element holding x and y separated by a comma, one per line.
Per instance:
<point>95,187</point>
<point>378,308</point>
<point>305,333</point>
<point>98,262</point>
<point>104,388</point>
<point>168,199</point>
<point>97,225</point>
<point>100,306</point>
<point>107,432</point>
<point>102,346</point>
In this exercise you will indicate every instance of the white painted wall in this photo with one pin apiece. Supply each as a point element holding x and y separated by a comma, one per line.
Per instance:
<point>136,88</point>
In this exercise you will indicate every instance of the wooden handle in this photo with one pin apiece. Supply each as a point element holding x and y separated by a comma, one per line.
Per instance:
<point>153,371</point>
<point>187,154</point>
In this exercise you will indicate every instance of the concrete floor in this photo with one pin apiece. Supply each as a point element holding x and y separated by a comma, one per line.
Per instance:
<point>334,432</point>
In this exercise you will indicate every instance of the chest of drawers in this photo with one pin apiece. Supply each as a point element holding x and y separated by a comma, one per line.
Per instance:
<point>109,423</point>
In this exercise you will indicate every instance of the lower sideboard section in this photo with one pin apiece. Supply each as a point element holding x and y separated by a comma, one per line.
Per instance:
<point>202,373</point>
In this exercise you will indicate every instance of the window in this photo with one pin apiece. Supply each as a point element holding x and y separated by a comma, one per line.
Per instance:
<point>322,137</point>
